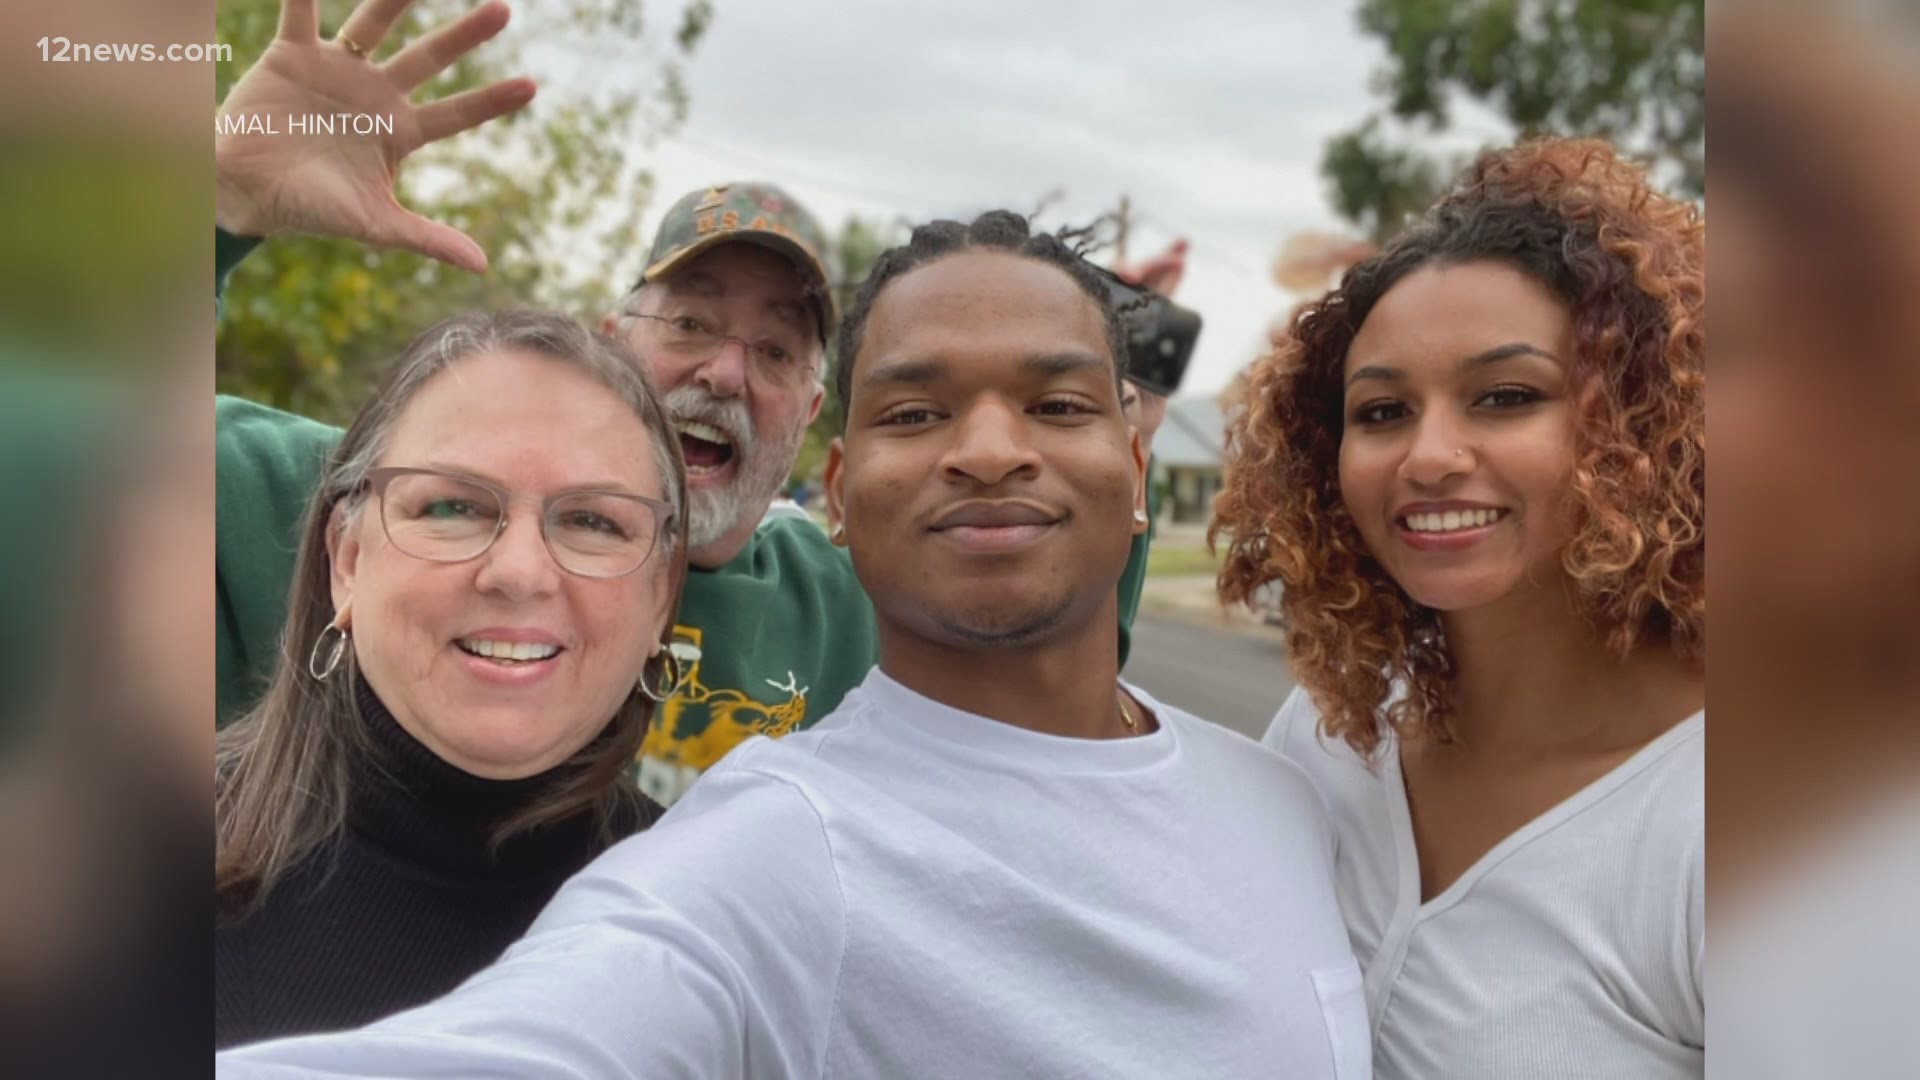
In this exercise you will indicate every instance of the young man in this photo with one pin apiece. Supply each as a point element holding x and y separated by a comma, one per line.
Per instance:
<point>731,315</point>
<point>994,859</point>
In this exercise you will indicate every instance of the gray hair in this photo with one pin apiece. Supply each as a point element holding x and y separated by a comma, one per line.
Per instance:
<point>541,333</point>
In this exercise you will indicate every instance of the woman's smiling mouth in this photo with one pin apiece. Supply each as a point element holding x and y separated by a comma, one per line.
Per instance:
<point>1450,520</point>
<point>1447,527</point>
<point>508,652</point>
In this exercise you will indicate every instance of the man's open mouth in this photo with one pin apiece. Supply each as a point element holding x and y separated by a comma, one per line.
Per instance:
<point>706,448</point>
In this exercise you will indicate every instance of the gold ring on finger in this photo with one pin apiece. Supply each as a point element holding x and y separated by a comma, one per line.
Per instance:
<point>351,45</point>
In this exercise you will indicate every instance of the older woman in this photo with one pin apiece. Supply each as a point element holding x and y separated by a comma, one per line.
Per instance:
<point>1477,468</point>
<point>477,634</point>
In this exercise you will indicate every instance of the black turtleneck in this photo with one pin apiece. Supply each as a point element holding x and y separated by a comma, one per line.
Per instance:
<point>404,906</point>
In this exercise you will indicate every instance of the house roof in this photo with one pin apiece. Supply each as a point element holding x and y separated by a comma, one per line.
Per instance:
<point>1192,435</point>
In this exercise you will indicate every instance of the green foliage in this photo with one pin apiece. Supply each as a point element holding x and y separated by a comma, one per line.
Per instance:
<point>551,193</point>
<point>850,256</point>
<point>1633,71</point>
<point>1377,186</point>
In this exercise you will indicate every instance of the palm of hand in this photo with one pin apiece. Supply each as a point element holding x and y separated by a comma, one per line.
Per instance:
<point>338,184</point>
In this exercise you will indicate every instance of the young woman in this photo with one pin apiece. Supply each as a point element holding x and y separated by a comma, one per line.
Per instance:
<point>1477,469</point>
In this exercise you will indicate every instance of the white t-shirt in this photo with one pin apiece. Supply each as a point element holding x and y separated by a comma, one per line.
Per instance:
<point>1572,949</point>
<point>906,890</point>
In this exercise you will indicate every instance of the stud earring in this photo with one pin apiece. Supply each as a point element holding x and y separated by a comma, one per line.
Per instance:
<point>1139,517</point>
<point>839,533</point>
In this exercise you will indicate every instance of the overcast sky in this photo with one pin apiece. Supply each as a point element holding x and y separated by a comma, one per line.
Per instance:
<point>1210,116</point>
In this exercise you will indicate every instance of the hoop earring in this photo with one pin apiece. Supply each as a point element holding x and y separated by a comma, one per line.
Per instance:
<point>325,658</point>
<point>660,696</point>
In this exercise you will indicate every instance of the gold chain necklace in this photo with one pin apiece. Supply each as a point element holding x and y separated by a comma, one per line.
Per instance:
<point>1125,717</point>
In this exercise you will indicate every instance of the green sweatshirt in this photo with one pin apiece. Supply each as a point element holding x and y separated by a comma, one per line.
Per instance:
<point>772,640</point>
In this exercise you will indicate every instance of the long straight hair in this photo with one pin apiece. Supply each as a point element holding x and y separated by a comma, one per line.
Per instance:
<point>284,767</point>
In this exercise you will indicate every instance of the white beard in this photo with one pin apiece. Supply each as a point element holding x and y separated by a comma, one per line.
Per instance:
<point>761,461</point>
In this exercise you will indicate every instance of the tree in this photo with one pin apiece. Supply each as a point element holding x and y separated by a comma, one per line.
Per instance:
<point>1633,71</point>
<point>1376,185</point>
<point>551,193</point>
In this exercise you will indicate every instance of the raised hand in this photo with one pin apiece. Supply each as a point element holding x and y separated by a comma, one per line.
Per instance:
<point>1162,273</point>
<point>343,184</point>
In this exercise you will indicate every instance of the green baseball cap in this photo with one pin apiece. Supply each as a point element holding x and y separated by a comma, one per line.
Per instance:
<point>748,213</point>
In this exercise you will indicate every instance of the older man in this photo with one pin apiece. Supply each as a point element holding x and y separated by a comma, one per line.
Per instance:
<point>731,314</point>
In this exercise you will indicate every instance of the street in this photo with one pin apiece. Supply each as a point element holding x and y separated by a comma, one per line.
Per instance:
<point>1232,679</point>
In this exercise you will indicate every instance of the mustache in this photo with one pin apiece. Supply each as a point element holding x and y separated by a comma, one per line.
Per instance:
<point>693,402</point>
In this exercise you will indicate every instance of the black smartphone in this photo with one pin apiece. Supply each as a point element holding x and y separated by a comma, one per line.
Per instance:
<point>1160,335</point>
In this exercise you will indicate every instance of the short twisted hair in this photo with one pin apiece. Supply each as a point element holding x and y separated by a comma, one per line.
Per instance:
<point>995,230</point>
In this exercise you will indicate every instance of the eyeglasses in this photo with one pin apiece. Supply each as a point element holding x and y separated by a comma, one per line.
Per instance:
<point>444,518</point>
<point>692,341</point>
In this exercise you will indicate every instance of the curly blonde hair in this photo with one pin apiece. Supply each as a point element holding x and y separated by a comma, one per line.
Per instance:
<point>1630,264</point>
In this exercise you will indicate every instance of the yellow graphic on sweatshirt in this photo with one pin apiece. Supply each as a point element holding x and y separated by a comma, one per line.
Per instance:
<point>699,724</point>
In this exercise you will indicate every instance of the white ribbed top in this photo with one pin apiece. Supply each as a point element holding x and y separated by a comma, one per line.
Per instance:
<point>1572,949</point>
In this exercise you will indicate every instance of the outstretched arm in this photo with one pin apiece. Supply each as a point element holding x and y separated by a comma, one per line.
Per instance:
<point>709,946</point>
